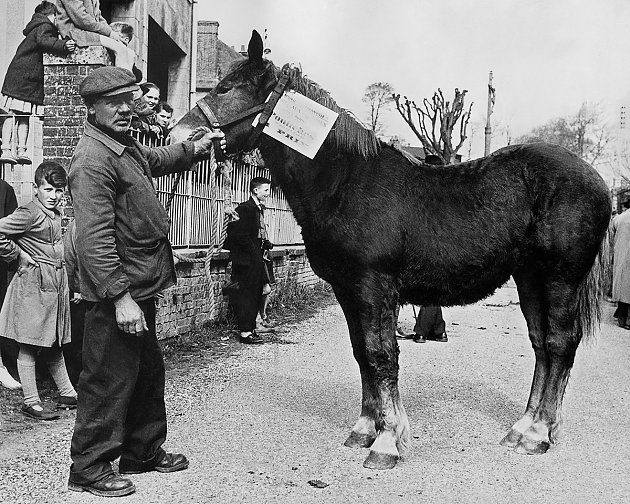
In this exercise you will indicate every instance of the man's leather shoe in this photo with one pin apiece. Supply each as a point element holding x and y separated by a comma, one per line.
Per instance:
<point>419,338</point>
<point>111,485</point>
<point>170,463</point>
<point>252,339</point>
<point>442,338</point>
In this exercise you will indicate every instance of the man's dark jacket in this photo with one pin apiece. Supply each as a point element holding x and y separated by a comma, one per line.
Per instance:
<point>242,236</point>
<point>122,227</point>
<point>25,76</point>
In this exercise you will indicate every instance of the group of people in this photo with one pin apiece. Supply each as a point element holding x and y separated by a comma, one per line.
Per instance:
<point>151,115</point>
<point>123,260</point>
<point>114,259</point>
<point>59,28</point>
<point>123,256</point>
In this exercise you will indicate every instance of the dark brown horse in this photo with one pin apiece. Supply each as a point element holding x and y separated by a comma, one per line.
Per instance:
<point>382,229</point>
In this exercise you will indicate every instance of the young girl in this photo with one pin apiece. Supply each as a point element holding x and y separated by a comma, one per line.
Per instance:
<point>36,311</point>
<point>23,88</point>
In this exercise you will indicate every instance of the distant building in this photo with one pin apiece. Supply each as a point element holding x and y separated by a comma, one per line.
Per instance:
<point>214,57</point>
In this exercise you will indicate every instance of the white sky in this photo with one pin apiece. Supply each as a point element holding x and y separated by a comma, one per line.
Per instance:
<point>548,56</point>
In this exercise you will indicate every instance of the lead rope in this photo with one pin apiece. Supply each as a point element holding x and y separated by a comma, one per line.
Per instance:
<point>229,212</point>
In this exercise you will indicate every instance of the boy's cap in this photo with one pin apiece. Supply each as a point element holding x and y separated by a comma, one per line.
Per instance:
<point>108,81</point>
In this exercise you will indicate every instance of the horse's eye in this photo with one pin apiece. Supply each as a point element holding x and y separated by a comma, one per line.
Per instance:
<point>223,88</point>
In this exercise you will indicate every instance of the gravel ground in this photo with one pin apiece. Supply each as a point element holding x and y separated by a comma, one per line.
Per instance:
<point>259,423</point>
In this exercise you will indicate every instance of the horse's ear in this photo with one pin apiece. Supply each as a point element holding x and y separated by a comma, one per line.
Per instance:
<point>255,49</point>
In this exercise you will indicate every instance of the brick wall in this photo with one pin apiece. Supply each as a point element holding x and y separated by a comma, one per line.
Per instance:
<point>196,299</point>
<point>65,112</point>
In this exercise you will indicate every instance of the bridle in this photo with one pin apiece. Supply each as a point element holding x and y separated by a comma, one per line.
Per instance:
<point>265,110</point>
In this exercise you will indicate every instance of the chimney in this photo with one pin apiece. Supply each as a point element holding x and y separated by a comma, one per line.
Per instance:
<point>207,52</point>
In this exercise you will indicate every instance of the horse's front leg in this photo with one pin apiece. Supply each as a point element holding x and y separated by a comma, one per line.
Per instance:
<point>383,424</point>
<point>363,432</point>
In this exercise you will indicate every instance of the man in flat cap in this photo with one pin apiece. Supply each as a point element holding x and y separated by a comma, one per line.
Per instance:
<point>124,260</point>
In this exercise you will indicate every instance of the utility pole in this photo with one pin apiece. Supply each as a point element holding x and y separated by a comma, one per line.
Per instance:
<point>488,130</point>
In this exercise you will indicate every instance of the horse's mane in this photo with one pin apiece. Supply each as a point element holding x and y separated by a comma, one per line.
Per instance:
<point>348,133</point>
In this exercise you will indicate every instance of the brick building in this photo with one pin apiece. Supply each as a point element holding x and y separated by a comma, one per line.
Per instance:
<point>167,55</point>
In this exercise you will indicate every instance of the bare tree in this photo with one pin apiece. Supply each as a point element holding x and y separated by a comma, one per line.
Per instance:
<point>433,122</point>
<point>583,133</point>
<point>378,96</point>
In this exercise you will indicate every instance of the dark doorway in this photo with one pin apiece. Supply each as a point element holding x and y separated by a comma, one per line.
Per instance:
<point>163,52</point>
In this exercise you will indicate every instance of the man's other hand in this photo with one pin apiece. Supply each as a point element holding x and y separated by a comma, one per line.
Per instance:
<point>129,316</point>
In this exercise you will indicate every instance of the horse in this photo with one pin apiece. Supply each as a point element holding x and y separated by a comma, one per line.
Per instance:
<point>384,229</point>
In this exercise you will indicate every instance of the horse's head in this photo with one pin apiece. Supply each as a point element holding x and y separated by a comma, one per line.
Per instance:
<point>235,101</point>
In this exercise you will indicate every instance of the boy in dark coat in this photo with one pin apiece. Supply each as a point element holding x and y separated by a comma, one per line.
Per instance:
<point>247,240</point>
<point>23,88</point>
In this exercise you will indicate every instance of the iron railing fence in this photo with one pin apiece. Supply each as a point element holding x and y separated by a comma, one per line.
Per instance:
<point>196,207</point>
<point>197,202</point>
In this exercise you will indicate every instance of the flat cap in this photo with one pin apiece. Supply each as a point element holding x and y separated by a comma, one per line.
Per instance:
<point>108,81</point>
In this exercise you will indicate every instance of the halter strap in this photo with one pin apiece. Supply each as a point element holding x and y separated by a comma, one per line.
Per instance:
<point>266,108</point>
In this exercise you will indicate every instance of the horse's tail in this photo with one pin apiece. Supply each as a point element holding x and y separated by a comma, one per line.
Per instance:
<point>591,292</point>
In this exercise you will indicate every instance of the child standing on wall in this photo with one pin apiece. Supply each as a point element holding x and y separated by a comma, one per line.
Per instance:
<point>23,88</point>
<point>36,311</point>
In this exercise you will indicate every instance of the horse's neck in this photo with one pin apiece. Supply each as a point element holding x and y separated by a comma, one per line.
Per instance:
<point>307,184</point>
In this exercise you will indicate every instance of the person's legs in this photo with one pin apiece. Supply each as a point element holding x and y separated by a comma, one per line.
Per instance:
<point>32,406</point>
<point>26,370</point>
<point>6,380</point>
<point>22,138</point>
<point>57,368</point>
<point>124,56</point>
<point>246,301</point>
<point>400,334</point>
<point>7,138</point>
<point>430,325</point>
<point>263,323</point>
<point>145,426</point>
<point>439,326</point>
<point>106,385</point>
<point>621,313</point>
<point>72,352</point>
<point>264,302</point>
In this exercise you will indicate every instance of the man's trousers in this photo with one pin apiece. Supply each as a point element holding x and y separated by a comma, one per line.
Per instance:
<point>120,409</point>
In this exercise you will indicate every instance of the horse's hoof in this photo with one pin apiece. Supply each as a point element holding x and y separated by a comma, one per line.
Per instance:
<point>380,461</point>
<point>531,447</point>
<point>512,439</point>
<point>357,440</point>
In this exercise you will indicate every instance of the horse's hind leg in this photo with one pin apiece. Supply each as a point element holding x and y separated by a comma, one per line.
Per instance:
<point>531,295</point>
<point>561,344</point>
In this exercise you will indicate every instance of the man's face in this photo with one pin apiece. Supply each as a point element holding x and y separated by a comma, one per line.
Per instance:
<point>113,113</point>
<point>262,192</point>
<point>48,195</point>
<point>163,117</point>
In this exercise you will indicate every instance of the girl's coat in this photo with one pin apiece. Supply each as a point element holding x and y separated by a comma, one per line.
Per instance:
<point>36,310</point>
